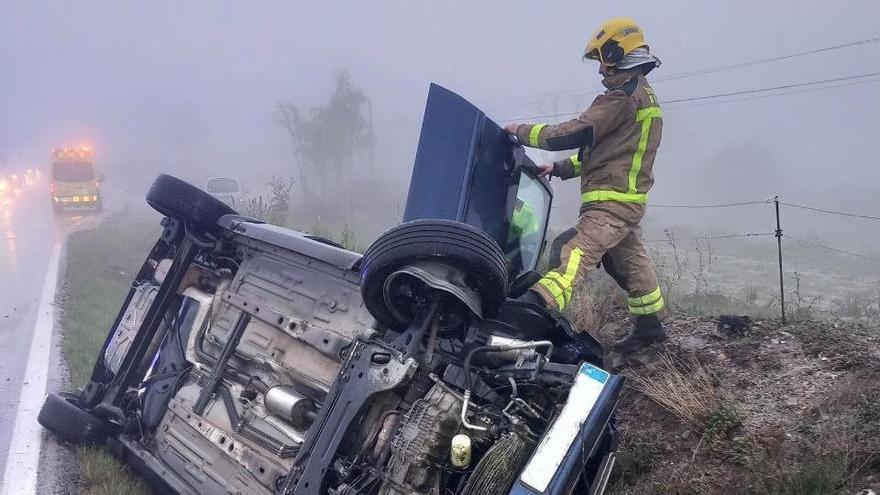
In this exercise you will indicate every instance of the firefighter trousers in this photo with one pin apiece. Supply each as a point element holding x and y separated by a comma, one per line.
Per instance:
<point>602,237</point>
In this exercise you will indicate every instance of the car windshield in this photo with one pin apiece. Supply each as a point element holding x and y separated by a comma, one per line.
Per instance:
<point>222,185</point>
<point>73,172</point>
<point>527,224</point>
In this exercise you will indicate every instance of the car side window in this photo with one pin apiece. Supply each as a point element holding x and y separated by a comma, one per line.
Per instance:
<point>527,225</point>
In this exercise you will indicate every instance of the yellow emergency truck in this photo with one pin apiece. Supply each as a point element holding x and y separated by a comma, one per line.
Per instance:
<point>75,183</point>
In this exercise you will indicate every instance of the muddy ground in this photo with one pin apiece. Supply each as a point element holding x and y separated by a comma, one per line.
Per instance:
<point>765,409</point>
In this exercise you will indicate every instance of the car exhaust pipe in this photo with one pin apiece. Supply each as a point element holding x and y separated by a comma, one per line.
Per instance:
<point>290,405</point>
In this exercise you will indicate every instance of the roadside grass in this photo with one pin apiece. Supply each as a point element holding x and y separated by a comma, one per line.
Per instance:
<point>101,263</point>
<point>681,386</point>
<point>103,474</point>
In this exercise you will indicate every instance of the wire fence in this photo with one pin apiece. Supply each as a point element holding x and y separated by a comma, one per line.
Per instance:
<point>778,233</point>
<point>710,237</point>
<point>769,201</point>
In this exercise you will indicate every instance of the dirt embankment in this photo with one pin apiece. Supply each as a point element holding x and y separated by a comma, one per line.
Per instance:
<point>766,409</point>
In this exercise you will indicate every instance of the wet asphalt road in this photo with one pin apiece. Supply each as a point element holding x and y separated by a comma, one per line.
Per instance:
<point>29,230</point>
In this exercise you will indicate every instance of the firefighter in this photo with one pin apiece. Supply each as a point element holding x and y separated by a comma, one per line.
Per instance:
<point>616,140</point>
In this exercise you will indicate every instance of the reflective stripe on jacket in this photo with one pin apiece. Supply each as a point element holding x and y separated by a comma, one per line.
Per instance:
<point>617,139</point>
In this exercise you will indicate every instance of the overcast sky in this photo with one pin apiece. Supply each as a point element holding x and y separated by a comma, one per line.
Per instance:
<point>196,83</point>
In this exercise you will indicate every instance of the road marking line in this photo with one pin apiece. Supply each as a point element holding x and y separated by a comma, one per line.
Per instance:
<point>23,455</point>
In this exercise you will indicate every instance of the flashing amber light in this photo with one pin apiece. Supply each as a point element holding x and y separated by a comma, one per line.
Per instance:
<point>79,152</point>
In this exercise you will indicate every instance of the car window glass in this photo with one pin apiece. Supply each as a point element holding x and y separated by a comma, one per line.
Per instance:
<point>73,172</point>
<point>527,225</point>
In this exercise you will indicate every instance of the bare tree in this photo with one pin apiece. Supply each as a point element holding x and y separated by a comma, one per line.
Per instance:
<point>327,141</point>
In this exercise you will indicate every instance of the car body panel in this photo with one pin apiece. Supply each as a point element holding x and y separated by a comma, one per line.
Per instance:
<point>467,169</point>
<point>299,242</point>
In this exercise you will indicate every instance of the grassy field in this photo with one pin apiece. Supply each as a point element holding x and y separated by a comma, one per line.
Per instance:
<point>101,263</point>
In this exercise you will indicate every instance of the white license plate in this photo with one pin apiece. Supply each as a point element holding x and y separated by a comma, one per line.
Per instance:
<point>550,453</point>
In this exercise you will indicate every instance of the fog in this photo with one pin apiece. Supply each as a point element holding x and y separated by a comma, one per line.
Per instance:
<point>192,89</point>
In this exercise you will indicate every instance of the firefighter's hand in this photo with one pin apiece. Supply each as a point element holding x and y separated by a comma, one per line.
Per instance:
<point>511,128</point>
<point>546,169</point>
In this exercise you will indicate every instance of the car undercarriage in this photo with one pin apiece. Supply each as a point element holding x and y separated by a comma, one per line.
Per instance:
<point>249,358</point>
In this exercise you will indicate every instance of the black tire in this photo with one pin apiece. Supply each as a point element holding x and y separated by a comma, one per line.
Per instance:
<point>457,244</point>
<point>175,198</point>
<point>63,415</point>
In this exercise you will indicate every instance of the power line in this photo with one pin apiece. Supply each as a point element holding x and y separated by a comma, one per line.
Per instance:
<point>721,68</point>
<point>830,212</point>
<point>773,88</point>
<point>723,205</point>
<point>573,93</point>
<point>828,248</point>
<point>774,95</point>
<point>729,94</point>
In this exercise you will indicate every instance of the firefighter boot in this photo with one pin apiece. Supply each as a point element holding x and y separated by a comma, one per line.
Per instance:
<point>648,330</point>
<point>532,297</point>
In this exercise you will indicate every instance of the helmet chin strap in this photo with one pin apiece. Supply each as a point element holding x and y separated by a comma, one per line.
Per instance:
<point>607,70</point>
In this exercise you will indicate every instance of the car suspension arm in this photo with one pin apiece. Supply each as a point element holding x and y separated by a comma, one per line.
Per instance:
<point>219,367</point>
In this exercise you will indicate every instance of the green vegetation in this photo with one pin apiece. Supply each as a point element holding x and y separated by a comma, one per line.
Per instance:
<point>103,474</point>
<point>636,457</point>
<point>100,267</point>
<point>721,422</point>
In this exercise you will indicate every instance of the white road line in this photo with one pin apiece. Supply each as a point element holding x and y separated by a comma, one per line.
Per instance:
<point>23,458</point>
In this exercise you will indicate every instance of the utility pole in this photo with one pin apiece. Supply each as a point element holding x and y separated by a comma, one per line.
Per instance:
<point>779,250</point>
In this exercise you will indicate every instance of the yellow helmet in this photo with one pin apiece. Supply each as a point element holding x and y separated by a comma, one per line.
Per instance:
<point>614,40</point>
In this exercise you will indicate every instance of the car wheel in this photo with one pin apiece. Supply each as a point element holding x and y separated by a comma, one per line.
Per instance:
<point>62,414</point>
<point>457,244</point>
<point>175,198</point>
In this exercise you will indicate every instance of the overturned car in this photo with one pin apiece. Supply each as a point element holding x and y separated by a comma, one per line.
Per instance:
<point>249,358</point>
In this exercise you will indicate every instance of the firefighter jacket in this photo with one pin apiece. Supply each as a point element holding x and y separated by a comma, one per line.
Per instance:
<point>617,139</point>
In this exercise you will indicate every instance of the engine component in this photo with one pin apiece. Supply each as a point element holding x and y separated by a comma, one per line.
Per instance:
<point>287,403</point>
<point>497,470</point>
<point>379,452</point>
<point>422,443</point>
<point>511,346</point>
<point>460,451</point>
